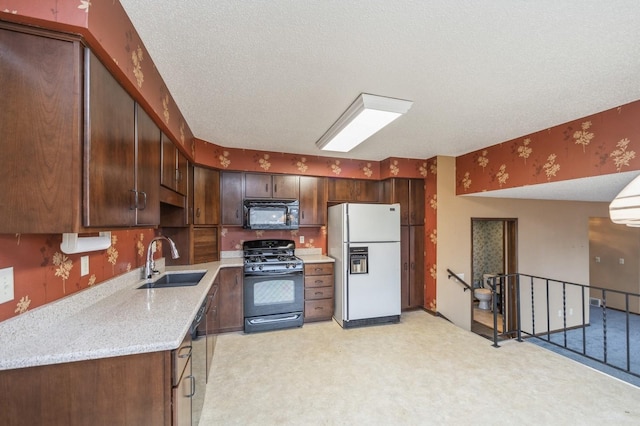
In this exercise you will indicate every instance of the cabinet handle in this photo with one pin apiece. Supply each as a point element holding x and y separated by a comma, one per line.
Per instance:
<point>318,269</point>
<point>302,214</point>
<point>198,212</point>
<point>405,266</point>
<point>318,308</point>
<point>319,293</point>
<point>133,196</point>
<point>237,213</point>
<point>144,206</point>
<point>188,354</point>
<point>275,187</point>
<point>319,281</point>
<point>193,386</point>
<point>413,266</point>
<point>266,187</point>
<point>178,175</point>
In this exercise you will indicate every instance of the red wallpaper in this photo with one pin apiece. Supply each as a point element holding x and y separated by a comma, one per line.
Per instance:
<point>212,155</point>
<point>42,273</point>
<point>233,237</point>
<point>599,144</point>
<point>431,234</point>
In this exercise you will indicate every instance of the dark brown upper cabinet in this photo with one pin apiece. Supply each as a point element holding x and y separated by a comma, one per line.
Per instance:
<point>174,172</point>
<point>122,154</point>
<point>41,160</point>
<point>262,185</point>
<point>409,193</point>
<point>313,201</point>
<point>206,196</point>
<point>354,190</point>
<point>231,198</point>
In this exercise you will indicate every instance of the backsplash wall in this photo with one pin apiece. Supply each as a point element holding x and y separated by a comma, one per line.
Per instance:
<point>42,273</point>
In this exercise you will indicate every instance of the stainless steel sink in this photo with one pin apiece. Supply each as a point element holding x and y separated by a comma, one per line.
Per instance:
<point>175,279</point>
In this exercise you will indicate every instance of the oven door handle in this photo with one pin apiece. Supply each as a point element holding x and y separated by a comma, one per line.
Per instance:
<point>272,320</point>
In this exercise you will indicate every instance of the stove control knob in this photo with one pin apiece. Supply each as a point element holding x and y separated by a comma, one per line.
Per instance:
<point>253,268</point>
<point>260,267</point>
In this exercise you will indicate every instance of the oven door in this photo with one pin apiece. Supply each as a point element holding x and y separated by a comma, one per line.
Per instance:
<point>273,300</point>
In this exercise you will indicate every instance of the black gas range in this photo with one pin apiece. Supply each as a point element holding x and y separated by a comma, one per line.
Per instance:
<point>273,285</point>
<point>270,256</point>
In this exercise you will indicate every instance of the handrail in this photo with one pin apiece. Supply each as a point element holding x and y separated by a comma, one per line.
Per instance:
<point>458,279</point>
<point>545,295</point>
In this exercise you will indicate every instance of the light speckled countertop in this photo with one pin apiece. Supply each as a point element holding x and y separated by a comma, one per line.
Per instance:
<point>114,318</point>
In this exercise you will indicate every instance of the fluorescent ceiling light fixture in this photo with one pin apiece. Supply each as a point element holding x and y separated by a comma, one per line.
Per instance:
<point>366,115</point>
<point>625,208</point>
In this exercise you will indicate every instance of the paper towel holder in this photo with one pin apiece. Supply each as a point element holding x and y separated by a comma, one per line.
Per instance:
<point>72,243</point>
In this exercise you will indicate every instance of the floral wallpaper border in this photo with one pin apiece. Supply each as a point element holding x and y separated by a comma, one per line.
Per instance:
<point>599,144</point>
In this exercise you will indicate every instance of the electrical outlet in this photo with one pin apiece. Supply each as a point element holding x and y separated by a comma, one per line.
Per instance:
<point>84,265</point>
<point>301,239</point>
<point>597,259</point>
<point>559,313</point>
<point>6,285</point>
<point>570,311</point>
<point>621,261</point>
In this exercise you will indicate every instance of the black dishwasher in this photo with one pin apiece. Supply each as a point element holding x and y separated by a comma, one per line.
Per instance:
<point>198,362</point>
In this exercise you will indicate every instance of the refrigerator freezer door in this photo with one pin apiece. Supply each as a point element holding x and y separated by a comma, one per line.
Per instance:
<point>374,222</point>
<point>376,294</point>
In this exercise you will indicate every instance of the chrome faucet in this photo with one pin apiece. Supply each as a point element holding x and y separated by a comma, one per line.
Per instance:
<point>150,265</point>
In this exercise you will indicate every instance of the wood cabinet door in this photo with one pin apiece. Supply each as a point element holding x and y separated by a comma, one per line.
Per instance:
<point>400,194</point>
<point>40,124</point>
<point>416,201</point>
<point>231,198</point>
<point>168,172</point>
<point>285,186</point>
<point>182,174</point>
<point>206,196</point>
<point>313,200</point>
<point>205,244</point>
<point>230,308</point>
<point>367,191</point>
<point>257,185</point>
<point>147,169</point>
<point>405,267</point>
<point>340,190</point>
<point>181,398</point>
<point>110,150</point>
<point>416,250</point>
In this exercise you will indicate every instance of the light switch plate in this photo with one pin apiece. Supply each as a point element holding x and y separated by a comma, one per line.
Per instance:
<point>84,265</point>
<point>6,285</point>
<point>301,239</point>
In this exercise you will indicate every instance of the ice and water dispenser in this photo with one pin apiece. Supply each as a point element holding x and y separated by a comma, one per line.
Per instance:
<point>358,260</point>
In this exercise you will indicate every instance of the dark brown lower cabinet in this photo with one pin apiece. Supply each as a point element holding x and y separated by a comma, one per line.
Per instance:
<point>230,305</point>
<point>318,291</point>
<point>127,390</point>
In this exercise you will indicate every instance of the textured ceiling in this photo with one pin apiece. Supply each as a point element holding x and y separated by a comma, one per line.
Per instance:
<point>274,75</point>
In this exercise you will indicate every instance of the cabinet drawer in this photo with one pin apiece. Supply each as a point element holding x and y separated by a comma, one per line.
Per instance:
<point>318,309</point>
<point>318,281</point>
<point>318,269</point>
<point>318,293</point>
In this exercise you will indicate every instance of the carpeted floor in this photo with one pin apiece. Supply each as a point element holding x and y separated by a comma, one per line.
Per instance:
<point>423,370</point>
<point>594,343</point>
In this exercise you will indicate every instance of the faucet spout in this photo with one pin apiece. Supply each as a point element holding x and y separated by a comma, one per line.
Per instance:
<point>150,265</point>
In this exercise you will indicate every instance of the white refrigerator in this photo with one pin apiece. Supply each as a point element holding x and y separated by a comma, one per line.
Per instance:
<point>364,240</point>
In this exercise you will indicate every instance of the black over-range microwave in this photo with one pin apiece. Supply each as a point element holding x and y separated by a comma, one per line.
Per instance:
<point>271,214</point>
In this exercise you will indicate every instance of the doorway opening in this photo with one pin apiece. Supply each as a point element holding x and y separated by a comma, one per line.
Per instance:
<point>493,252</point>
